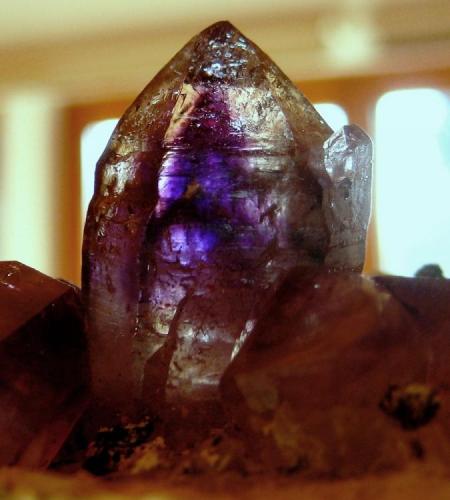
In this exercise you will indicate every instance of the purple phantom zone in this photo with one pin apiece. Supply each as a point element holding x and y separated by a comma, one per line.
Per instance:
<point>210,190</point>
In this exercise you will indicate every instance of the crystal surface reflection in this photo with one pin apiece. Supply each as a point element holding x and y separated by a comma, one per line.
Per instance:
<point>43,365</point>
<point>218,181</point>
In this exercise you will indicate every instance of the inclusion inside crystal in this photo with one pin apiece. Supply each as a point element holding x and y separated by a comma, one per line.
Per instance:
<point>219,180</point>
<point>345,375</point>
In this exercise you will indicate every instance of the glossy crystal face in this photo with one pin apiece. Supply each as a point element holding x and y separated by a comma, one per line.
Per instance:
<point>43,365</point>
<point>218,181</point>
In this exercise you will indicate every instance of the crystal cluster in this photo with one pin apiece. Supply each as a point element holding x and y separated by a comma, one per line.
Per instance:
<point>42,364</point>
<point>342,376</point>
<point>219,180</point>
<point>223,301</point>
<point>345,375</point>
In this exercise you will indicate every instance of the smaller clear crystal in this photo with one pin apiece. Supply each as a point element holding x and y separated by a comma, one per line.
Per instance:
<point>346,195</point>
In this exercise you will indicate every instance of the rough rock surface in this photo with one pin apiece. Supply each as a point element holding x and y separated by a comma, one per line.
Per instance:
<point>345,375</point>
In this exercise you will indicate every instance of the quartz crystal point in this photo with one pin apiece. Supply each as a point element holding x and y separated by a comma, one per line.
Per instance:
<point>346,195</point>
<point>212,187</point>
<point>42,364</point>
<point>345,375</point>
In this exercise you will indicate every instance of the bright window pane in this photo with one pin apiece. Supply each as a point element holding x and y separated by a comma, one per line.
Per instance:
<point>412,180</point>
<point>94,138</point>
<point>334,115</point>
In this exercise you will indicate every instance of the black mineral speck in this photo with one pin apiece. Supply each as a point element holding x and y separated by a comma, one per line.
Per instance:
<point>430,271</point>
<point>113,444</point>
<point>412,406</point>
<point>417,449</point>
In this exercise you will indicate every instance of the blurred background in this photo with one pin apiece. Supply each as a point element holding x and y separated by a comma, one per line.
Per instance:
<point>68,70</point>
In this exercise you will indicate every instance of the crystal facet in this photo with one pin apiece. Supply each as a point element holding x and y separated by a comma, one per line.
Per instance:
<point>346,195</point>
<point>42,364</point>
<point>212,188</point>
<point>344,375</point>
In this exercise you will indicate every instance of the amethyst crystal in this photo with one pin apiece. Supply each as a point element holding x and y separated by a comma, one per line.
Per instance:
<point>219,179</point>
<point>343,375</point>
<point>43,365</point>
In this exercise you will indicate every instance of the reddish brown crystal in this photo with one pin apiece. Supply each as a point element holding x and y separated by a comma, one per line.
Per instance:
<point>345,375</point>
<point>42,364</point>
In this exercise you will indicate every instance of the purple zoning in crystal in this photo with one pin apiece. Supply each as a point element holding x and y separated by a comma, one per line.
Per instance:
<point>212,188</point>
